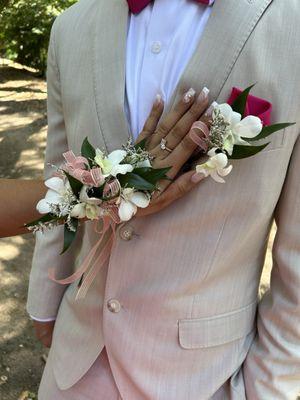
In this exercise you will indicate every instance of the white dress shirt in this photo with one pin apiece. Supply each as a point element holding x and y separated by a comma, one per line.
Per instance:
<point>160,42</point>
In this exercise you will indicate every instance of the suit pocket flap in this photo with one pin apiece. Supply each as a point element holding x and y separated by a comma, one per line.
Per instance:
<point>216,330</point>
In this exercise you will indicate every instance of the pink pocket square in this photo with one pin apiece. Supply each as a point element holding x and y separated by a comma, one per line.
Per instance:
<point>255,106</point>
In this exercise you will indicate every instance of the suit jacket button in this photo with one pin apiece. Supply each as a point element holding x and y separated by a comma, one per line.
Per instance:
<point>126,232</point>
<point>114,306</point>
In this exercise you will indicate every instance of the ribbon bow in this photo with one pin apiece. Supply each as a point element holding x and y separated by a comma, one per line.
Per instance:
<point>136,6</point>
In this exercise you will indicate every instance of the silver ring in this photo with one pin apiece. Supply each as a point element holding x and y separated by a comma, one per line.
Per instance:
<point>163,145</point>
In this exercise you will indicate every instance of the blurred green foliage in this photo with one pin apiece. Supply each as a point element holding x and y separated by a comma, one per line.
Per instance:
<point>25,28</point>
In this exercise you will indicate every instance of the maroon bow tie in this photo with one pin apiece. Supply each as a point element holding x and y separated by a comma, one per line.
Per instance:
<point>136,6</point>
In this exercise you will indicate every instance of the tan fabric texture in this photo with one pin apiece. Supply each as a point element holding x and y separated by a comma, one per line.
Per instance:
<point>97,383</point>
<point>188,280</point>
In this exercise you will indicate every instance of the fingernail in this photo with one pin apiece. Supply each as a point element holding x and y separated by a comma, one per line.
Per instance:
<point>209,111</point>
<point>203,95</point>
<point>196,178</point>
<point>158,100</point>
<point>188,96</point>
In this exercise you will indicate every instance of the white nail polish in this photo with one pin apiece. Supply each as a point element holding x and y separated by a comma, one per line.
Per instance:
<point>211,108</point>
<point>189,95</point>
<point>158,99</point>
<point>203,95</point>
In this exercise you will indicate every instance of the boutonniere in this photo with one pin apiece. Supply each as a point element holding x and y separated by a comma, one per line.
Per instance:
<point>235,125</point>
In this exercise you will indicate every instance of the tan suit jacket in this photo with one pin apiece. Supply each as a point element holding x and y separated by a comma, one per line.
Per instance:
<point>187,281</point>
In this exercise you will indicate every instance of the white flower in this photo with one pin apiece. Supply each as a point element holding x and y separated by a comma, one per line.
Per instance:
<point>110,165</point>
<point>88,206</point>
<point>57,194</point>
<point>215,166</point>
<point>238,128</point>
<point>129,203</point>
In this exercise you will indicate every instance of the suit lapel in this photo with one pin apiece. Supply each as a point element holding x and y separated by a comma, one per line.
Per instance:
<point>227,31</point>
<point>109,71</point>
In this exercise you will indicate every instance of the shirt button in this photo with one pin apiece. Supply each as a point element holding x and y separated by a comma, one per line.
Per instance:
<point>156,47</point>
<point>114,305</point>
<point>126,232</point>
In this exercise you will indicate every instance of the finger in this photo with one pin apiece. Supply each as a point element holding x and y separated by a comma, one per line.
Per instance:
<point>197,138</point>
<point>170,120</point>
<point>153,119</point>
<point>184,124</point>
<point>179,188</point>
<point>208,120</point>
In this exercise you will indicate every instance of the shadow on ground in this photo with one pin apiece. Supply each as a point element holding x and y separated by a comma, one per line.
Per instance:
<point>22,145</point>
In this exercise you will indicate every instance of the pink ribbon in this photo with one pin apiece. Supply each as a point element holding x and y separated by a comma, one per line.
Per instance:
<point>92,263</point>
<point>76,166</point>
<point>111,189</point>
<point>75,162</point>
<point>201,139</point>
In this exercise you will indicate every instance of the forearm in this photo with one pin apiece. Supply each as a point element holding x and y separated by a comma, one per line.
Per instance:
<point>18,199</point>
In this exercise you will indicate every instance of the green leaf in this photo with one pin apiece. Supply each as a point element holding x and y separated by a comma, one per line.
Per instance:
<point>97,192</point>
<point>76,185</point>
<point>88,151</point>
<point>69,236</point>
<point>268,130</point>
<point>152,175</point>
<point>240,152</point>
<point>45,218</point>
<point>141,144</point>
<point>135,181</point>
<point>239,104</point>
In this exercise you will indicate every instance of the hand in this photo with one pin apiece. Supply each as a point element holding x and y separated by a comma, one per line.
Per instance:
<point>181,141</point>
<point>44,331</point>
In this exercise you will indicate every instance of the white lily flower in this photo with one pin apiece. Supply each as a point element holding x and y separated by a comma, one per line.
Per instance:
<point>215,166</point>
<point>85,210</point>
<point>88,206</point>
<point>57,193</point>
<point>79,211</point>
<point>238,128</point>
<point>249,127</point>
<point>110,165</point>
<point>129,203</point>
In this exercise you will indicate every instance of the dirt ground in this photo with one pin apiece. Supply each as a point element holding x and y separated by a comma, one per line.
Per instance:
<point>22,145</point>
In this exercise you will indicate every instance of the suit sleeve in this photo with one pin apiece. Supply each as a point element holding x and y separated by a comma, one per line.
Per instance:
<point>44,296</point>
<point>272,368</point>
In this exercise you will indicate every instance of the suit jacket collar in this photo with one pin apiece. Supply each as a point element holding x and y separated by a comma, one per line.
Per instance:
<point>228,29</point>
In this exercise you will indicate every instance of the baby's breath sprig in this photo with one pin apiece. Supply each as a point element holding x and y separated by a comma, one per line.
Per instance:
<point>65,206</point>
<point>218,130</point>
<point>43,226</point>
<point>70,224</point>
<point>135,155</point>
